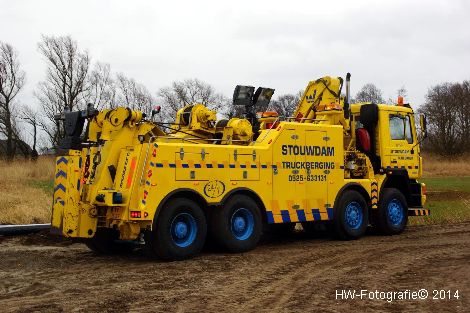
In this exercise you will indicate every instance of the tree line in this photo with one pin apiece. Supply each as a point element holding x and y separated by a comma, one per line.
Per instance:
<point>72,81</point>
<point>447,108</point>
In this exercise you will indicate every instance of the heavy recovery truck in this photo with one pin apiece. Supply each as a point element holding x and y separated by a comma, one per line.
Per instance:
<point>132,180</point>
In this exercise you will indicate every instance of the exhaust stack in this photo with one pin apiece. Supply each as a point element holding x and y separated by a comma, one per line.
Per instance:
<point>348,93</point>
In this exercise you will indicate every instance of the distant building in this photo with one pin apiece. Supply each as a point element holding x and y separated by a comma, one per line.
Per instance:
<point>20,147</point>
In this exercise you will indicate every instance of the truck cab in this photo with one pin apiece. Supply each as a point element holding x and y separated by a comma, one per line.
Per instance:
<point>388,135</point>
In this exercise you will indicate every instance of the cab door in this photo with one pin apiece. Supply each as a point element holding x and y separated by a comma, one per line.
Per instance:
<point>401,151</point>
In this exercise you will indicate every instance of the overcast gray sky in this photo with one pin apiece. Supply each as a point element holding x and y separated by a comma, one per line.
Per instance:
<point>279,44</point>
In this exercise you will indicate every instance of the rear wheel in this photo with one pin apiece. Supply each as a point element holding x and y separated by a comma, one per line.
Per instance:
<point>105,241</point>
<point>237,225</point>
<point>392,214</point>
<point>351,218</point>
<point>178,232</point>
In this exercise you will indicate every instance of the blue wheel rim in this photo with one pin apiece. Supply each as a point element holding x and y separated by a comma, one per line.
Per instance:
<point>183,229</point>
<point>353,215</point>
<point>395,212</point>
<point>242,224</point>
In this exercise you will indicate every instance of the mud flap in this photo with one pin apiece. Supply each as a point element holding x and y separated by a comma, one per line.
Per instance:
<point>67,212</point>
<point>419,212</point>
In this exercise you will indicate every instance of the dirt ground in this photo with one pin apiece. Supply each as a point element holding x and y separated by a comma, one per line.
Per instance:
<point>297,274</point>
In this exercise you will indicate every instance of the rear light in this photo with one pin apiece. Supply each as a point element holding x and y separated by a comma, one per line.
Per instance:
<point>136,214</point>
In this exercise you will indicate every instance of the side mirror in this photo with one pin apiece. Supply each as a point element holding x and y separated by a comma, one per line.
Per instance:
<point>422,124</point>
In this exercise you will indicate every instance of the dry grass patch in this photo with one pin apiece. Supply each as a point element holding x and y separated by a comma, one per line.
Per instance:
<point>26,191</point>
<point>436,166</point>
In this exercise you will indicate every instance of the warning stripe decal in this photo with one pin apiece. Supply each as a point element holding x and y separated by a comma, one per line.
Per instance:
<point>131,172</point>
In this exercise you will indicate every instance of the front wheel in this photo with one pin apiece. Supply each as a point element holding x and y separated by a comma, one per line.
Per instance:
<point>237,225</point>
<point>351,217</point>
<point>179,231</point>
<point>392,214</point>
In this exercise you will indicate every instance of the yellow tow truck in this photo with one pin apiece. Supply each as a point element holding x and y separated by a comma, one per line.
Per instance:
<point>168,186</point>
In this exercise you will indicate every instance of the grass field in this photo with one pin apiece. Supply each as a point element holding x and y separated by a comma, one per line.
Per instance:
<point>26,191</point>
<point>448,200</point>
<point>448,186</point>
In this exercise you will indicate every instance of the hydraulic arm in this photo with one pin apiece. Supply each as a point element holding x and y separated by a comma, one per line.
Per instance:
<point>322,103</point>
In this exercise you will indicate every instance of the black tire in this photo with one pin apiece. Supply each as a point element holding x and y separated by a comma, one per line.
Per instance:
<point>279,229</point>
<point>351,216</point>
<point>179,231</point>
<point>391,217</point>
<point>105,241</point>
<point>237,224</point>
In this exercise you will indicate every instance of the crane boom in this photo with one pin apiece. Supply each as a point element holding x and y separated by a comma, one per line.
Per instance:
<point>321,95</point>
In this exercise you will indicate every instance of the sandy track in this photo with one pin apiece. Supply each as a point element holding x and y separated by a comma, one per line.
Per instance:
<point>297,274</point>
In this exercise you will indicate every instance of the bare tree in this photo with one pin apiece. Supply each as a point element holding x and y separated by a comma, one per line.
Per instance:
<point>12,79</point>
<point>31,117</point>
<point>233,110</point>
<point>460,93</point>
<point>369,93</point>
<point>285,105</point>
<point>65,83</point>
<point>132,94</point>
<point>189,91</point>
<point>50,106</point>
<point>447,108</point>
<point>101,91</point>
<point>402,92</point>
